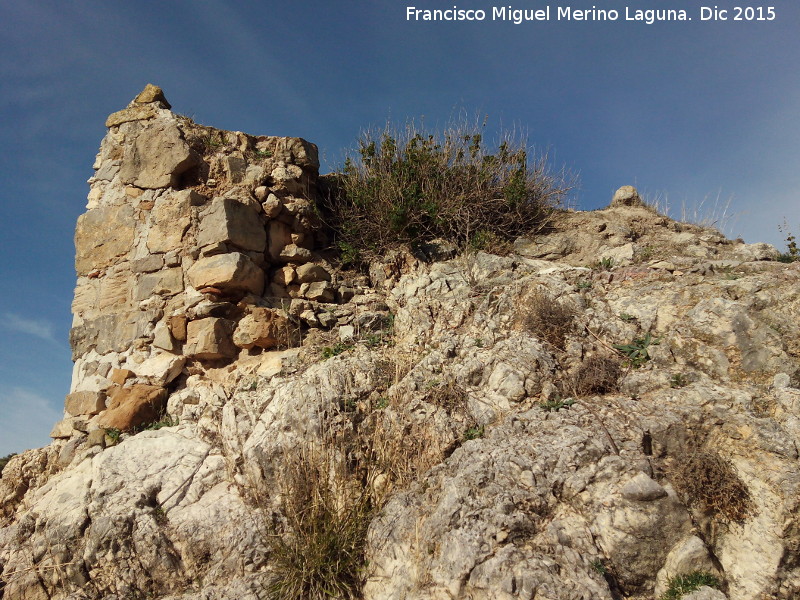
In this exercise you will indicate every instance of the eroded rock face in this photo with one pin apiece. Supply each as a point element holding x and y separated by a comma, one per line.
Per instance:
<point>507,461</point>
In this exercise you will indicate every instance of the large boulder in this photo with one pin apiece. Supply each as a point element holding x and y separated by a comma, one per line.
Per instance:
<point>130,407</point>
<point>210,339</point>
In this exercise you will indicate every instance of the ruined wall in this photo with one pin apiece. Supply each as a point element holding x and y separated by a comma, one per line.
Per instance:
<point>197,244</point>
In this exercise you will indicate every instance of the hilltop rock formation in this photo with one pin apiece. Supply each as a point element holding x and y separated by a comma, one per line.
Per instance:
<point>610,405</point>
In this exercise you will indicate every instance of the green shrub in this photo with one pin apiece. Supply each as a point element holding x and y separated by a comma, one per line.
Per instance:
<point>411,186</point>
<point>637,351</point>
<point>680,585</point>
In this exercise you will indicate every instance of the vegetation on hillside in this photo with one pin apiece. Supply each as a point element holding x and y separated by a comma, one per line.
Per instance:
<point>409,185</point>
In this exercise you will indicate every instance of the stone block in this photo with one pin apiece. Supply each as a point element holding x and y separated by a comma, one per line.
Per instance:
<point>210,339</point>
<point>130,407</point>
<point>265,328</point>
<point>85,403</point>
<point>177,326</point>
<point>319,291</point>
<point>280,235</point>
<point>294,253</point>
<point>232,222</point>
<point>158,155</point>
<point>120,376</point>
<point>232,272</point>
<point>161,369</point>
<point>310,272</point>
<point>103,237</point>
<point>171,217</point>
<point>166,282</point>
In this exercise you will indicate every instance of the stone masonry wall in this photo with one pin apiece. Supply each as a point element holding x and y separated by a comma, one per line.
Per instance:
<point>197,244</point>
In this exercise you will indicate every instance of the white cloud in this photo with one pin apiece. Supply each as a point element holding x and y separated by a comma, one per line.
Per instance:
<point>36,327</point>
<point>27,420</point>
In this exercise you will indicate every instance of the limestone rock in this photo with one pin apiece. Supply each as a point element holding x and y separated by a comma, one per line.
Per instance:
<point>232,222</point>
<point>232,272</point>
<point>161,369</point>
<point>85,402</point>
<point>626,196</point>
<point>265,328</point>
<point>643,489</point>
<point>134,113</point>
<point>210,339</point>
<point>311,272</point>
<point>157,156</point>
<point>689,555</point>
<point>129,407</point>
<point>152,93</point>
<point>103,236</point>
<point>171,217</point>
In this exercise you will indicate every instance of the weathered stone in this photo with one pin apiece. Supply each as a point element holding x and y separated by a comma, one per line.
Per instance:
<point>63,429</point>
<point>162,338</point>
<point>232,272</point>
<point>626,196</point>
<point>311,272</point>
<point>235,168</point>
<point>152,93</point>
<point>272,206</point>
<point>265,328</point>
<point>177,326</point>
<point>280,235</point>
<point>167,282</point>
<point>134,113</point>
<point>319,291</point>
<point>689,555</point>
<point>148,264</point>
<point>210,339</point>
<point>85,402</point>
<point>232,222</point>
<point>103,237</point>
<point>161,369</point>
<point>284,275</point>
<point>294,253</point>
<point>96,438</point>
<point>643,489</point>
<point>157,156</point>
<point>289,177</point>
<point>130,407</point>
<point>171,217</point>
<point>120,376</point>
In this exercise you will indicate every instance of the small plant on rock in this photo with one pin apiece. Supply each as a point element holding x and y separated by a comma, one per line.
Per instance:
<point>473,433</point>
<point>792,251</point>
<point>680,585</point>
<point>637,350</point>
<point>335,350</point>
<point>678,381</point>
<point>556,404</point>
<point>595,375</point>
<point>113,434</point>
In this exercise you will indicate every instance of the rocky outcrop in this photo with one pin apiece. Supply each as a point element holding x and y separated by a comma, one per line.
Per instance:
<point>610,406</point>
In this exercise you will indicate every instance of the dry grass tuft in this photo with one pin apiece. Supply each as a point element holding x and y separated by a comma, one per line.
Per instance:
<point>595,375</point>
<point>548,319</point>
<point>710,481</point>
<point>318,547</point>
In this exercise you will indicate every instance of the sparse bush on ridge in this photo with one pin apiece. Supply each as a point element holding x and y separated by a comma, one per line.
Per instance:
<point>411,186</point>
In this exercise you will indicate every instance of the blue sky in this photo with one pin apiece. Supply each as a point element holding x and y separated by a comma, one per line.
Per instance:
<point>695,113</point>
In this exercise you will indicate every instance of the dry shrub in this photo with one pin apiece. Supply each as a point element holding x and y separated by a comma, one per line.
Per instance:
<point>449,395</point>
<point>409,185</point>
<point>403,450</point>
<point>548,319</point>
<point>595,375</point>
<point>326,507</point>
<point>708,480</point>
